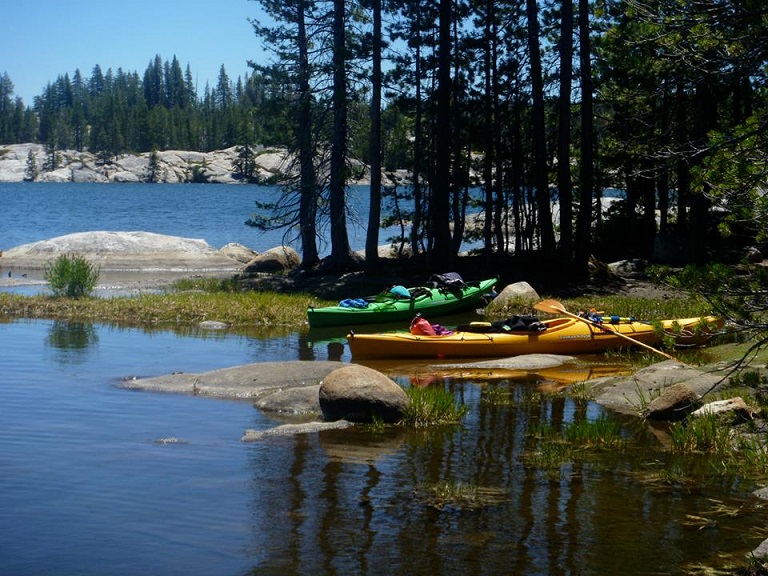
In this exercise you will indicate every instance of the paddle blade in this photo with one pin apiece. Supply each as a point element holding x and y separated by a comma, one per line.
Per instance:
<point>551,306</point>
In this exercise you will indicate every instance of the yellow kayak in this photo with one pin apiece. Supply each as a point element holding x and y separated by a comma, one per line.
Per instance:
<point>561,336</point>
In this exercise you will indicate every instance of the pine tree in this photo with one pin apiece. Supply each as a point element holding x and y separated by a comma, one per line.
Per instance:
<point>31,172</point>
<point>153,167</point>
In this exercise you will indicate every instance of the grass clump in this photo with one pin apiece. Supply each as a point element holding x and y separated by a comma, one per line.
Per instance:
<point>580,393</point>
<point>552,452</point>
<point>602,432</point>
<point>209,284</point>
<point>71,276</point>
<point>556,448</point>
<point>704,434</point>
<point>432,406</point>
<point>459,495</point>
<point>499,396</point>
<point>749,460</point>
<point>749,379</point>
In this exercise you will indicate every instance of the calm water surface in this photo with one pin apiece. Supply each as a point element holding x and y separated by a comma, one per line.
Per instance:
<point>95,479</point>
<point>215,213</point>
<point>100,480</point>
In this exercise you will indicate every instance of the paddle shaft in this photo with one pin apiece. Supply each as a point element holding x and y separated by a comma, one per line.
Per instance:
<point>617,333</point>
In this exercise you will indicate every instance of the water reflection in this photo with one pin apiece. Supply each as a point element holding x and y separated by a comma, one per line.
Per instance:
<point>327,343</point>
<point>361,448</point>
<point>72,340</point>
<point>355,499</point>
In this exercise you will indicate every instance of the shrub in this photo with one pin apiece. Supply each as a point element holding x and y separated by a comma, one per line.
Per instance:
<point>71,276</point>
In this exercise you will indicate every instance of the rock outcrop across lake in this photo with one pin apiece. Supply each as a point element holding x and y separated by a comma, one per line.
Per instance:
<point>26,162</point>
<point>20,162</point>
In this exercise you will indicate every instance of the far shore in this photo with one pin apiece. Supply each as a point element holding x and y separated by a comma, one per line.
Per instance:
<point>116,280</point>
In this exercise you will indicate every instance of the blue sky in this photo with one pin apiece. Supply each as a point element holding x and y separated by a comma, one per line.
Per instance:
<point>46,38</point>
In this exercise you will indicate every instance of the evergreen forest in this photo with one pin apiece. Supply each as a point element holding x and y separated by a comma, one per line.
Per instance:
<point>523,112</point>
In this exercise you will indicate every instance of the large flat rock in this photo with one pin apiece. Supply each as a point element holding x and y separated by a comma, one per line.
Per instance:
<point>628,394</point>
<point>125,251</point>
<point>281,387</point>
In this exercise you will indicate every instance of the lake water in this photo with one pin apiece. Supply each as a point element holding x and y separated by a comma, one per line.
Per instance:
<point>215,213</point>
<point>96,479</point>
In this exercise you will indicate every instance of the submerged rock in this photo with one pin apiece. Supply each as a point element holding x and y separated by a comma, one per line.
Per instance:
<point>292,429</point>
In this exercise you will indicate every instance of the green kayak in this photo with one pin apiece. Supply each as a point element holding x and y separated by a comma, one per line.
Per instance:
<point>389,307</point>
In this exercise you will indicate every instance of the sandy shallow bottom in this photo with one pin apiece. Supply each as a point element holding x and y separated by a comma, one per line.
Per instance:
<point>114,282</point>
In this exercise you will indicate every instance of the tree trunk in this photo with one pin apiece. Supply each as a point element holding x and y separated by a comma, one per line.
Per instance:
<point>586,169</point>
<point>682,168</point>
<point>374,214</point>
<point>564,131</point>
<point>441,254</point>
<point>540,171</point>
<point>705,108</point>
<point>340,251</point>
<point>308,176</point>
<point>490,132</point>
<point>418,141</point>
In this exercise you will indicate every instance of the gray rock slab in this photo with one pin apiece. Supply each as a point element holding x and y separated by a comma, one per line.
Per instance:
<point>292,429</point>
<point>246,382</point>
<point>294,401</point>
<point>523,362</point>
<point>122,250</point>
<point>626,394</point>
<point>761,552</point>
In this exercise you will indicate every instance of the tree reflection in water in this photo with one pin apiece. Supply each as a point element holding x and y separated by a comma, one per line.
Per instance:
<point>72,340</point>
<point>363,501</point>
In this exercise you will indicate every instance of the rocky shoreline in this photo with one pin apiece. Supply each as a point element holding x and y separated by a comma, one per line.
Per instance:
<point>139,260</point>
<point>26,163</point>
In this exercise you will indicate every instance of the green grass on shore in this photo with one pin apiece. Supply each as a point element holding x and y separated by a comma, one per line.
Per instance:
<point>172,308</point>
<point>646,309</point>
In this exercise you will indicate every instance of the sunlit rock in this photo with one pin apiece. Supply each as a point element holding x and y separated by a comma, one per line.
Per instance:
<point>278,259</point>
<point>360,394</point>
<point>518,292</point>
<point>675,403</point>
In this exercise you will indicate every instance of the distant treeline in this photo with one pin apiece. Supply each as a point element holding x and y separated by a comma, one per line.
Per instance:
<point>114,112</point>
